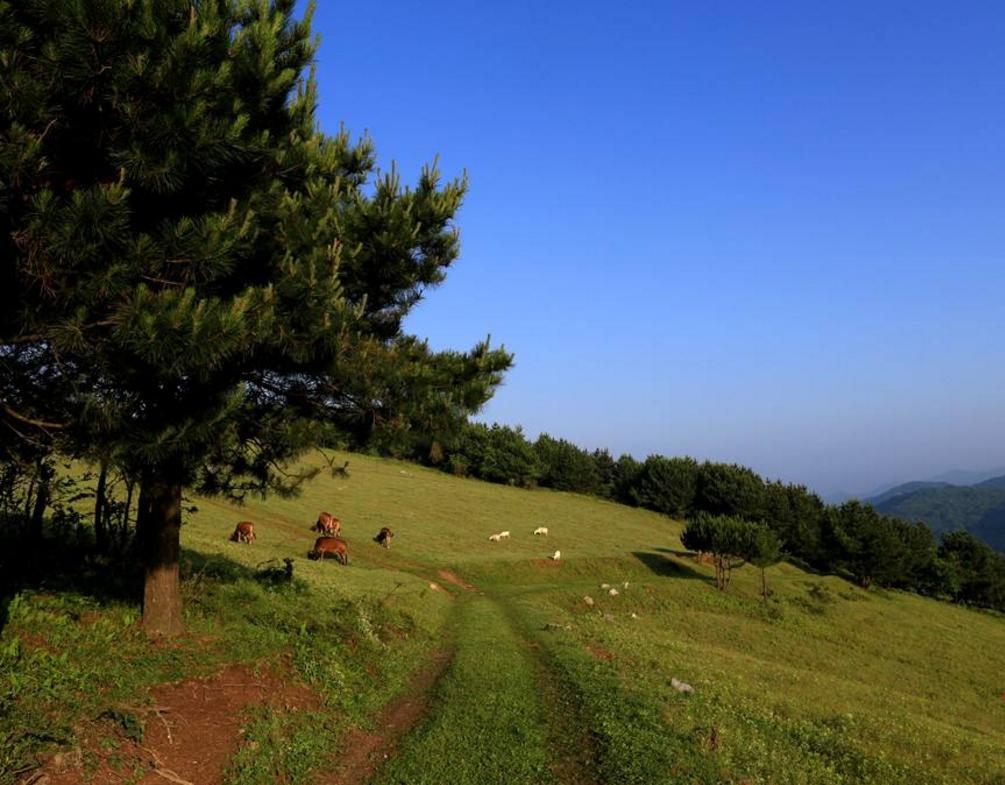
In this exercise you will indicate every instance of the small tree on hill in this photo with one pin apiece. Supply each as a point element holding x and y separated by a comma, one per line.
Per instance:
<point>765,551</point>
<point>728,539</point>
<point>197,284</point>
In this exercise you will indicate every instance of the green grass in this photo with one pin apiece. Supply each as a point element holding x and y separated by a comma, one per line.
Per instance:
<point>825,683</point>
<point>487,724</point>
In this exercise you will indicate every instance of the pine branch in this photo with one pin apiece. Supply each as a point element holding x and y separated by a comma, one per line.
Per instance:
<point>38,338</point>
<point>43,424</point>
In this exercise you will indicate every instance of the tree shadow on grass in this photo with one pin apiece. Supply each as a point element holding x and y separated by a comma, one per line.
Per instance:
<point>55,565</point>
<point>667,567</point>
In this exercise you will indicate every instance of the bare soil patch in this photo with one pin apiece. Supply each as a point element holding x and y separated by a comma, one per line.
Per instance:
<point>362,753</point>
<point>452,577</point>
<point>192,729</point>
<point>600,652</point>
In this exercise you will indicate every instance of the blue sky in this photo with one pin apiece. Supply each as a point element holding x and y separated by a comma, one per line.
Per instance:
<point>769,232</point>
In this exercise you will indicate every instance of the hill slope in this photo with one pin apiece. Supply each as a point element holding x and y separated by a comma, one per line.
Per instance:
<point>903,489</point>
<point>980,509</point>
<point>824,684</point>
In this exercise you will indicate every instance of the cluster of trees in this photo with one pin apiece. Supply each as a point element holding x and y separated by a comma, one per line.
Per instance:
<point>732,542</point>
<point>198,284</point>
<point>852,539</point>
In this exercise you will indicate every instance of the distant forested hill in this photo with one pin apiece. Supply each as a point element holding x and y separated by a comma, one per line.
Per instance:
<point>980,509</point>
<point>904,489</point>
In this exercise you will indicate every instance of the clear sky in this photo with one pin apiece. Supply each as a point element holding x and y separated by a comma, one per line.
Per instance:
<point>763,232</point>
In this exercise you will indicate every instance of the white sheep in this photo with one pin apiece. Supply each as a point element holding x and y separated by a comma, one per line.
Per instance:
<point>541,530</point>
<point>504,534</point>
<point>556,556</point>
<point>494,537</point>
<point>605,586</point>
<point>588,600</point>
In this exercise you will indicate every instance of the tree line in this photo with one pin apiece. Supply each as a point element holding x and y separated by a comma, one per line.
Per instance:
<point>851,539</point>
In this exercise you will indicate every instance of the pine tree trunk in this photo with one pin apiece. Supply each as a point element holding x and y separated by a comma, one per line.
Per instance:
<point>100,525</point>
<point>158,528</point>
<point>28,499</point>
<point>41,501</point>
<point>123,532</point>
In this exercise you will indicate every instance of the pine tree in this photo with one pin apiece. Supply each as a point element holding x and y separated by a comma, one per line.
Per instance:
<point>765,551</point>
<point>197,284</point>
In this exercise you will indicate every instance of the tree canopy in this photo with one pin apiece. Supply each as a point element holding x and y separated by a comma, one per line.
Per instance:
<point>198,283</point>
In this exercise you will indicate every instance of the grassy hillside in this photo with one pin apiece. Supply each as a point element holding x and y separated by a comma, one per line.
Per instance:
<point>980,509</point>
<point>825,683</point>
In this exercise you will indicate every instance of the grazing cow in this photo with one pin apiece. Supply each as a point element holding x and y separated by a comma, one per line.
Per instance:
<point>335,546</point>
<point>384,537</point>
<point>328,525</point>
<point>243,532</point>
<point>495,537</point>
<point>541,530</point>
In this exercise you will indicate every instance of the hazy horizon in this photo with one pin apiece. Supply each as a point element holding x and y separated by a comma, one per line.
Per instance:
<point>768,234</point>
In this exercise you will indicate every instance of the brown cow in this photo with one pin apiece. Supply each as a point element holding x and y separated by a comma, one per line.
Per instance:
<point>335,546</point>
<point>328,525</point>
<point>384,537</point>
<point>243,532</point>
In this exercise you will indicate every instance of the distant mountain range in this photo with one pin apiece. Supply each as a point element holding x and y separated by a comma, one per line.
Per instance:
<point>978,507</point>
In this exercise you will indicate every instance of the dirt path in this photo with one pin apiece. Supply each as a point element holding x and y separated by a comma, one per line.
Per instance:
<point>192,728</point>
<point>575,752</point>
<point>362,753</point>
<point>501,715</point>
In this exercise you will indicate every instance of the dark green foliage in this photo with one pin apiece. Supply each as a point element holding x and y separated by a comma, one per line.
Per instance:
<point>606,468</point>
<point>875,548</point>
<point>667,485</point>
<point>566,467</point>
<point>979,570</point>
<point>730,540</point>
<point>940,578</point>
<point>624,478</point>
<point>498,454</point>
<point>728,489</point>
<point>795,514</point>
<point>860,541</point>
<point>765,551</point>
